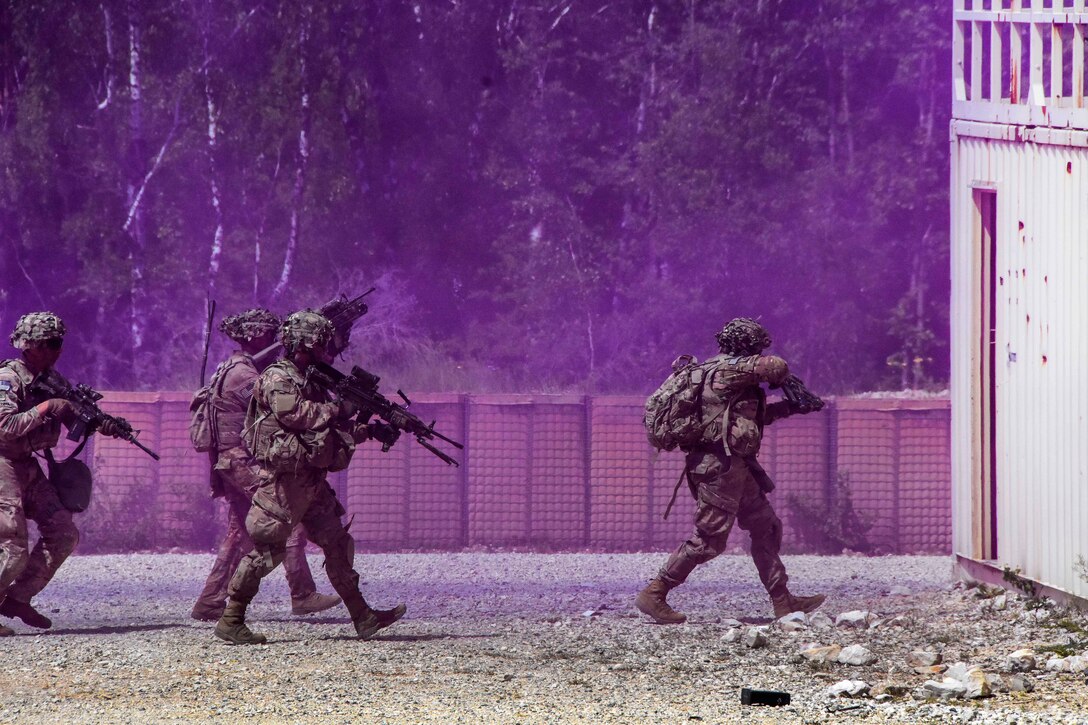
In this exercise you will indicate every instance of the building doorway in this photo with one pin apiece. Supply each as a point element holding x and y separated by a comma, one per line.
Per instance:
<point>984,393</point>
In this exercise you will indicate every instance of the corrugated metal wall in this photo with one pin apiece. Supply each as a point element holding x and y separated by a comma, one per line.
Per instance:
<point>549,472</point>
<point>1042,346</point>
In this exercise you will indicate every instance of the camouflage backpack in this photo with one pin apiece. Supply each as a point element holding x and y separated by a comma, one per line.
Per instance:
<point>674,415</point>
<point>203,428</point>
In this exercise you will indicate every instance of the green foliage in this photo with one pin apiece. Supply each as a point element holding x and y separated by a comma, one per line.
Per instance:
<point>1024,585</point>
<point>565,195</point>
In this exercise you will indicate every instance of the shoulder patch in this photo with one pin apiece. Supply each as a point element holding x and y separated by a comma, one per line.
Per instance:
<point>5,386</point>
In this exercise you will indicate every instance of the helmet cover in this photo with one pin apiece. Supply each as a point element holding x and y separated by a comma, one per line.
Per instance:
<point>307,328</point>
<point>37,327</point>
<point>743,336</point>
<point>248,325</point>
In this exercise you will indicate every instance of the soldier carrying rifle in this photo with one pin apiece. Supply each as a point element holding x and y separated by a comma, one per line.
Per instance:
<point>297,434</point>
<point>29,424</point>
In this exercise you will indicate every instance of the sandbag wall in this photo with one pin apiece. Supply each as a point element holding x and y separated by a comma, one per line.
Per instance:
<point>553,472</point>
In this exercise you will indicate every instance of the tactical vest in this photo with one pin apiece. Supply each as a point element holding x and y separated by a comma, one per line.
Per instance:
<point>43,436</point>
<point>280,449</point>
<point>737,412</point>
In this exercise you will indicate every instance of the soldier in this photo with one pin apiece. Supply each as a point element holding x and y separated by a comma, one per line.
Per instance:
<point>297,434</point>
<point>26,427</point>
<point>727,482</point>
<point>235,472</point>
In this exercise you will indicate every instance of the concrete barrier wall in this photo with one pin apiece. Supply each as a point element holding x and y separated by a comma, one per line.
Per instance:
<point>553,472</point>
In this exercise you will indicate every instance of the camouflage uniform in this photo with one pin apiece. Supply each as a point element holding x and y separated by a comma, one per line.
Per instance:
<point>293,430</point>
<point>236,476</point>
<point>730,486</point>
<point>25,492</point>
<point>725,478</point>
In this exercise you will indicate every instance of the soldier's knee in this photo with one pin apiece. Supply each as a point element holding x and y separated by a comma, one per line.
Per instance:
<point>60,531</point>
<point>17,555</point>
<point>767,532</point>
<point>336,543</point>
<point>263,528</point>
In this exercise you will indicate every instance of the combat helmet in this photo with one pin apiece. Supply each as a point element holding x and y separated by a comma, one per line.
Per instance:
<point>246,326</point>
<point>306,328</point>
<point>37,327</point>
<point>743,336</point>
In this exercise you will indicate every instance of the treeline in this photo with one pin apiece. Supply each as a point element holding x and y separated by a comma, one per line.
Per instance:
<point>549,194</point>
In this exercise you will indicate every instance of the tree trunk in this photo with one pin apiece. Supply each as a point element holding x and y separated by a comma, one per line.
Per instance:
<point>297,195</point>
<point>137,230</point>
<point>214,180</point>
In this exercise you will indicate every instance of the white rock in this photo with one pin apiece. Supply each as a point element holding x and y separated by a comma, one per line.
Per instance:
<point>820,654</point>
<point>1022,660</point>
<point>793,617</point>
<point>792,626</point>
<point>899,591</point>
<point>1077,663</point>
<point>1000,602</point>
<point>857,618</point>
<point>849,688</point>
<point>1057,664</point>
<point>820,620</point>
<point>755,638</point>
<point>732,623</point>
<point>856,655</point>
<point>947,689</point>
<point>972,678</point>
<point>923,658</point>
<point>732,635</point>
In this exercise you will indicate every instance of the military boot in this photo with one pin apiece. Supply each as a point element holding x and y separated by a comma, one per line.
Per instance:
<point>651,602</point>
<point>13,608</point>
<point>370,621</point>
<point>207,612</point>
<point>313,604</point>
<point>232,626</point>
<point>6,631</point>
<point>788,603</point>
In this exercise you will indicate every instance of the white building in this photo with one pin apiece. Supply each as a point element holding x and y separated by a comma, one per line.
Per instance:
<point>1020,291</point>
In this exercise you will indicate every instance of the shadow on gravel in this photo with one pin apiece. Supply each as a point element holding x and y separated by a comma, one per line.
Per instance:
<point>417,637</point>
<point>110,630</point>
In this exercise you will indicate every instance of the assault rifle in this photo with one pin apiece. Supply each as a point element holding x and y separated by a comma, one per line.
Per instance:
<point>341,312</point>
<point>88,415</point>
<point>361,388</point>
<point>800,398</point>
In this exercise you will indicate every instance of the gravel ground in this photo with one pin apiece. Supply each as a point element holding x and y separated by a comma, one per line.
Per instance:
<point>519,637</point>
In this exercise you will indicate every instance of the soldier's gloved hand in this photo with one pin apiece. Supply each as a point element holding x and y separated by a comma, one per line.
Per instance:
<point>383,432</point>
<point>113,428</point>
<point>347,408</point>
<point>56,408</point>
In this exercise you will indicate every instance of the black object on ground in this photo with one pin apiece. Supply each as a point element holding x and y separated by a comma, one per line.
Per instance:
<point>763,697</point>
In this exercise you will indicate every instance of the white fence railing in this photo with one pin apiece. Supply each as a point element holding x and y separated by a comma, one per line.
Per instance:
<point>1020,62</point>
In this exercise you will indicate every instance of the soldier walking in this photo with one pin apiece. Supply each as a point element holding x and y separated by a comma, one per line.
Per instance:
<point>298,434</point>
<point>235,473</point>
<point>29,426</point>
<point>725,478</point>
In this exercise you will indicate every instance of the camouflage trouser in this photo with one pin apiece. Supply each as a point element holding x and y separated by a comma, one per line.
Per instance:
<point>25,493</point>
<point>282,501</point>
<point>726,491</point>
<point>239,476</point>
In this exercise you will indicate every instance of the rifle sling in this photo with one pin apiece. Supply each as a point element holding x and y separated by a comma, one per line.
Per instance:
<point>48,455</point>
<point>676,490</point>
